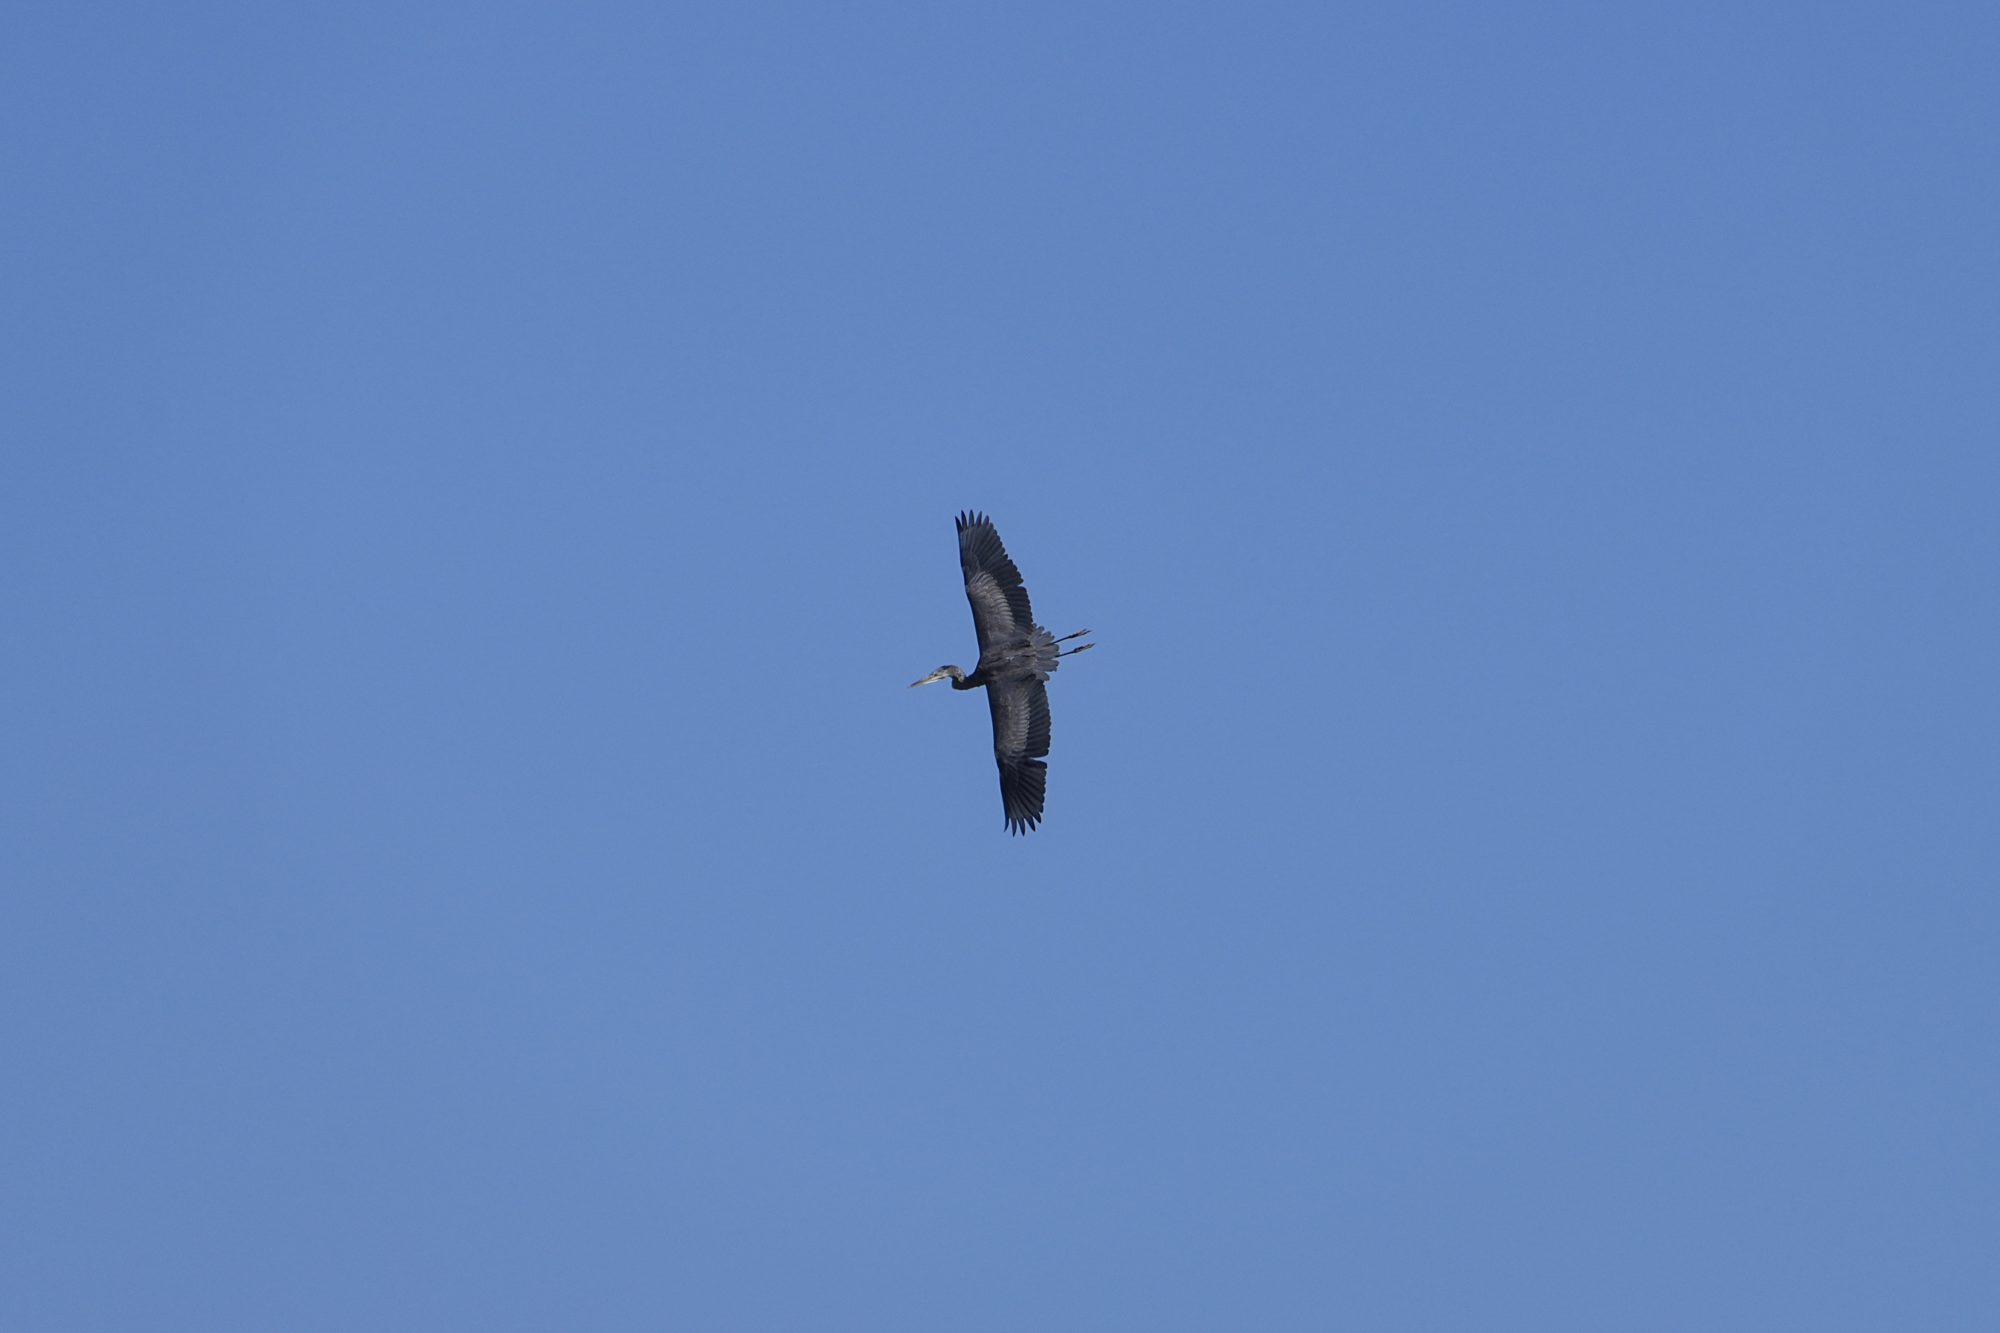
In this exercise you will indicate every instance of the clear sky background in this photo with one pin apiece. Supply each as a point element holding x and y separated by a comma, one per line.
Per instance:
<point>480,479</point>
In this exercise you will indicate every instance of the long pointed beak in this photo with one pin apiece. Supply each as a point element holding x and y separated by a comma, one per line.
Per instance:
<point>931,679</point>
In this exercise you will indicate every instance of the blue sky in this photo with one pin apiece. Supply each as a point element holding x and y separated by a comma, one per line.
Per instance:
<point>1523,855</point>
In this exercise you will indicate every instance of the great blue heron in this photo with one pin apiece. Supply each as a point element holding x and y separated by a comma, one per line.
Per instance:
<point>1016,658</point>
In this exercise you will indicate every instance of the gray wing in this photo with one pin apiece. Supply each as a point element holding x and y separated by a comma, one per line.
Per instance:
<point>1020,743</point>
<point>1000,611</point>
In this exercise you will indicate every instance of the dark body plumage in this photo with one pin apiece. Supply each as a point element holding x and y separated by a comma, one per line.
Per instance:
<point>1016,659</point>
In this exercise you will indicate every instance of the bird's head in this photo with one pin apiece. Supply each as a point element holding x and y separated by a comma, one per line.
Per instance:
<point>941,673</point>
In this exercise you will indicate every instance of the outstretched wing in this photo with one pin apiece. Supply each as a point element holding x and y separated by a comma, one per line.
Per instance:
<point>1020,743</point>
<point>1000,611</point>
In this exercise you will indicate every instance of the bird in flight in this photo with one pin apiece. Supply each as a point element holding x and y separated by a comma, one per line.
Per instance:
<point>1016,659</point>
